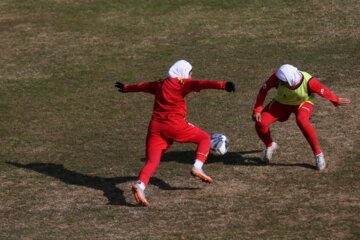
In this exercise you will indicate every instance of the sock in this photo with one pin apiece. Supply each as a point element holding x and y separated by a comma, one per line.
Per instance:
<point>198,164</point>
<point>317,150</point>
<point>140,184</point>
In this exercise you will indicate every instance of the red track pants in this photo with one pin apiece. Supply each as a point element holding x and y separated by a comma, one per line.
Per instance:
<point>276,111</point>
<point>160,138</point>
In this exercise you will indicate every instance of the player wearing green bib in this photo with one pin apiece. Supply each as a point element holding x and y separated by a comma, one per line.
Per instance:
<point>295,94</point>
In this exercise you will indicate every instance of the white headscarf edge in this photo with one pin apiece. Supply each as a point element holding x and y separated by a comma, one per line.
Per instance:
<point>181,69</point>
<point>290,74</point>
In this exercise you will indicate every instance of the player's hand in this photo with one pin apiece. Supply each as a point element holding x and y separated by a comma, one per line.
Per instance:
<point>256,117</point>
<point>343,102</point>
<point>120,86</point>
<point>230,87</point>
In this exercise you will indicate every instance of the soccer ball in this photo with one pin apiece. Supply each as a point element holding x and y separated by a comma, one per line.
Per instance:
<point>219,144</point>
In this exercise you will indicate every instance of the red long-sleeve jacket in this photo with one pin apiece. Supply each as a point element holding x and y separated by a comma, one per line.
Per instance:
<point>314,86</point>
<point>170,95</point>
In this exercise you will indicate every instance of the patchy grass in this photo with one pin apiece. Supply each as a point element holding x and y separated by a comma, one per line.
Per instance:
<point>72,146</point>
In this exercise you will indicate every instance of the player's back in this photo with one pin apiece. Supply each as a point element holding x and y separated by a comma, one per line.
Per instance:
<point>169,100</point>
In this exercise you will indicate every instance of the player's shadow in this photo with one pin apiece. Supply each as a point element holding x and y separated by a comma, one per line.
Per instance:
<point>114,194</point>
<point>230,158</point>
<point>243,158</point>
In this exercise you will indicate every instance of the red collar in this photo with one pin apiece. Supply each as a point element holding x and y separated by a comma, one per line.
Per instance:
<point>295,87</point>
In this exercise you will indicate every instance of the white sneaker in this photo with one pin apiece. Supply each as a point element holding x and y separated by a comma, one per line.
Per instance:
<point>320,162</point>
<point>198,172</point>
<point>269,152</point>
<point>139,196</point>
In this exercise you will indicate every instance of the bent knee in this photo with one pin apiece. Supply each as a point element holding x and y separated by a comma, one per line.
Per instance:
<point>261,126</point>
<point>302,122</point>
<point>203,136</point>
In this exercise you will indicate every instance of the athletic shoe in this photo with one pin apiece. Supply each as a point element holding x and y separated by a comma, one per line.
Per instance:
<point>320,162</point>
<point>198,172</point>
<point>139,195</point>
<point>269,152</point>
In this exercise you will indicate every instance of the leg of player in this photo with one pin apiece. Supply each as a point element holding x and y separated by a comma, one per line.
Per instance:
<point>263,131</point>
<point>156,146</point>
<point>302,120</point>
<point>152,162</point>
<point>186,132</point>
<point>202,139</point>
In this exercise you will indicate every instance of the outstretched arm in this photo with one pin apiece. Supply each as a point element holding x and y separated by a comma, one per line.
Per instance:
<point>316,87</point>
<point>148,87</point>
<point>191,85</point>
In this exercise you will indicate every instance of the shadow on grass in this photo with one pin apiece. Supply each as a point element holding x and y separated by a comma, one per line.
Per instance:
<point>114,195</point>
<point>304,165</point>
<point>230,158</point>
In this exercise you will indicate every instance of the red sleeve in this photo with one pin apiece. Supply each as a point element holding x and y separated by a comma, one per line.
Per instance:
<point>270,83</point>
<point>148,87</point>
<point>316,87</point>
<point>191,85</point>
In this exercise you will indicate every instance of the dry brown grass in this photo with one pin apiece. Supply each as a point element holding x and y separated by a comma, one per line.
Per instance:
<point>72,146</point>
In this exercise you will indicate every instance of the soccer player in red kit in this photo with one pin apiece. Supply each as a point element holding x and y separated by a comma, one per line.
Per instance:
<point>168,122</point>
<point>295,94</point>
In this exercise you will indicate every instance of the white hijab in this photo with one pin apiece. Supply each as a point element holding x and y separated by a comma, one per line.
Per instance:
<point>181,69</point>
<point>290,74</point>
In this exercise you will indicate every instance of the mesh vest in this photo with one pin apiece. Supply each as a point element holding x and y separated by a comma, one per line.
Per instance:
<point>297,96</point>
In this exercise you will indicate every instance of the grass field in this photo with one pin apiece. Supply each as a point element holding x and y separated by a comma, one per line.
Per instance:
<point>72,146</point>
